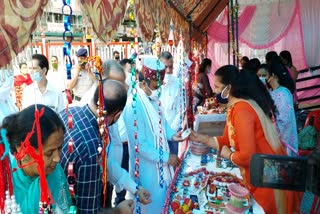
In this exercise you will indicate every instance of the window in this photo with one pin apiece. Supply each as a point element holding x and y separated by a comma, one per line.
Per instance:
<point>58,18</point>
<point>49,17</point>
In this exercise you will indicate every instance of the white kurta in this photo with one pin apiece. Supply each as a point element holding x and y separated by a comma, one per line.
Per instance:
<point>171,101</point>
<point>116,174</point>
<point>148,153</point>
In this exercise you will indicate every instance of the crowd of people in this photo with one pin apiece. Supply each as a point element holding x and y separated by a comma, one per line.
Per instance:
<point>144,119</point>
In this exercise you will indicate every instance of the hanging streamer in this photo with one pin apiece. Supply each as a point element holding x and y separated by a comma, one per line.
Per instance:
<point>136,146</point>
<point>7,200</point>
<point>67,37</point>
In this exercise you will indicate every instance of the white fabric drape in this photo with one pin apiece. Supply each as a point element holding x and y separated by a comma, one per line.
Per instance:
<point>310,16</point>
<point>269,23</point>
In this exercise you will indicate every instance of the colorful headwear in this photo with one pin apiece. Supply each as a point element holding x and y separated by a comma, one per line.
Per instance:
<point>150,68</point>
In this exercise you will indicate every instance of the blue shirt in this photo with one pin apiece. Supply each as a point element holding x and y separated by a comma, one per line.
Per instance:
<point>85,157</point>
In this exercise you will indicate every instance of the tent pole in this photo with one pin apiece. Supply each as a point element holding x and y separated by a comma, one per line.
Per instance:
<point>232,33</point>
<point>229,34</point>
<point>237,33</point>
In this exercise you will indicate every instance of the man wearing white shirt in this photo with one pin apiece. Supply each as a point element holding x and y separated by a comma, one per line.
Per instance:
<point>116,174</point>
<point>57,76</point>
<point>111,70</point>
<point>41,91</point>
<point>83,77</point>
<point>170,98</point>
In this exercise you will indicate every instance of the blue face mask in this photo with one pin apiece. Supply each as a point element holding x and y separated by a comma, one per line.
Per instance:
<point>222,100</point>
<point>36,76</point>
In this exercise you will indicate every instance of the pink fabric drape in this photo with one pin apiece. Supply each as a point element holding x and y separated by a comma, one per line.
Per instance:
<point>290,39</point>
<point>271,22</point>
<point>219,31</point>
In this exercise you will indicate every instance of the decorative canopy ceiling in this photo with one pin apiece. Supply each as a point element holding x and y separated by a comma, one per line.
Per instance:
<point>202,12</point>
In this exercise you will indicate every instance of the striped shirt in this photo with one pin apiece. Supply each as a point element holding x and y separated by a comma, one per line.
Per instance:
<point>85,157</point>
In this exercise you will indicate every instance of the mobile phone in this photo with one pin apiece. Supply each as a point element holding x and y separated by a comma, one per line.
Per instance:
<point>185,134</point>
<point>279,172</point>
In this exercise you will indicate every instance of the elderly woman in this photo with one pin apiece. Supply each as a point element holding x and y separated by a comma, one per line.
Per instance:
<point>248,130</point>
<point>26,180</point>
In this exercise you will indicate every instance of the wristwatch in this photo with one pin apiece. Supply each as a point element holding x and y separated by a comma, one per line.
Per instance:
<point>71,178</point>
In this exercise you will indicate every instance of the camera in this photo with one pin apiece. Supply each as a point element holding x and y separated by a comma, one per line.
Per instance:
<point>288,173</point>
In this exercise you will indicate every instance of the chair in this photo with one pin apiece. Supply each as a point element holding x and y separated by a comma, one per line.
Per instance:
<point>316,123</point>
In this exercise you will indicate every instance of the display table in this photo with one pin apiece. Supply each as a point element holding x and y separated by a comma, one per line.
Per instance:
<point>202,184</point>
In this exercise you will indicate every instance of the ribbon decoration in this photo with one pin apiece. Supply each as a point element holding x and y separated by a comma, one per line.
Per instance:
<point>26,149</point>
<point>102,120</point>
<point>103,126</point>
<point>6,186</point>
<point>191,71</point>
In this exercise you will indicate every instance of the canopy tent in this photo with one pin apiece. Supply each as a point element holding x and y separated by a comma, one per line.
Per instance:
<point>263,24</point>
<point>18,19</point>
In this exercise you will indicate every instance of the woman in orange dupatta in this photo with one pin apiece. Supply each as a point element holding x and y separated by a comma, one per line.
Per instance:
<point>249,130</point>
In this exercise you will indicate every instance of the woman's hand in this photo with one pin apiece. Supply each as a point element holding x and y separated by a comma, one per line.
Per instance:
<point>225,152</point>
<point>194,136</point>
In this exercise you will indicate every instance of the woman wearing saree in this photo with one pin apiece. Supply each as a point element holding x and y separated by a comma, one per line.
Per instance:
<point>248,130</point>
<point>26,180</point>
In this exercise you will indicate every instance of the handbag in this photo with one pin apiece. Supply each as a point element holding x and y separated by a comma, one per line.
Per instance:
<point>308,138</point>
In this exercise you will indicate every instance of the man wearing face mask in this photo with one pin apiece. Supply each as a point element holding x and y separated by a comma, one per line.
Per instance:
<point>126,65</point>
<point>150,136</point>
<point>116,56</point>
<point>82,76</point>
<point>85,136</point>
<point>56,75</point>
<point>170,97</point>
<point>42,91</point>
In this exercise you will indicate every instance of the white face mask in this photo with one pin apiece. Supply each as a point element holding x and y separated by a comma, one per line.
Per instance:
<point>168,78</point>
<point>227,96</point>
<point>154,95</point>
<point>263,80</point>
<point>128,80</point>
